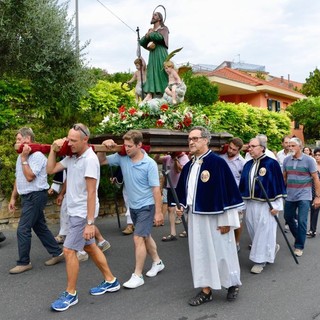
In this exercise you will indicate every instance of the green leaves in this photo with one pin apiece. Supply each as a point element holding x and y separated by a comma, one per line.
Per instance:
<point>307,113</point>
<point>244,121</point>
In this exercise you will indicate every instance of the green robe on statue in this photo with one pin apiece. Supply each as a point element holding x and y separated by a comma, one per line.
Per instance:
<point>157,78</point>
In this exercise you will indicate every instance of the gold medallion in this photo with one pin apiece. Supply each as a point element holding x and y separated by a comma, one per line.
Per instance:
<point>205,176</point>
<point>262,172</point>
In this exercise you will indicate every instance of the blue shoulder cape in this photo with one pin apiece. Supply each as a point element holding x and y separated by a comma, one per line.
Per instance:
<point>269,173</point>
<point>216,189</point>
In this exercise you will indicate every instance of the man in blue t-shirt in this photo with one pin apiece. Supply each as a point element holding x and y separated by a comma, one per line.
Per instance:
<point>141,178</point>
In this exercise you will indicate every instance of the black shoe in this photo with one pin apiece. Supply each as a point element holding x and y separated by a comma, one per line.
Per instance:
<point>2,237</point>
<point>311,234</point>
<point>232,293</point>
<point>200,298</point>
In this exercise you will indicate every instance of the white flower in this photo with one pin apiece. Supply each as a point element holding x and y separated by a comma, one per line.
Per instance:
<point>105,120</point>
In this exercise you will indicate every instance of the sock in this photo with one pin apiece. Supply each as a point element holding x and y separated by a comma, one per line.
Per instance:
<point>114,279</point>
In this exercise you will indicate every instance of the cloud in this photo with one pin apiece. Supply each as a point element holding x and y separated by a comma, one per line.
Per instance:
<point>281,35</point>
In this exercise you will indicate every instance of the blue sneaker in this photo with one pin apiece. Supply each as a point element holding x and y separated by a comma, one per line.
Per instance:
<point>104,287</point>
<point>65,301</point>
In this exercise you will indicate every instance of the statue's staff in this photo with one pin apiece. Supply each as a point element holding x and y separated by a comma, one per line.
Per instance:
<point>141,62</point>
<point>277,219</point>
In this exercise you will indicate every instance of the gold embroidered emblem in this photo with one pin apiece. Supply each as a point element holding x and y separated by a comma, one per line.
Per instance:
<point>262,172</point>
<point>205,176</point>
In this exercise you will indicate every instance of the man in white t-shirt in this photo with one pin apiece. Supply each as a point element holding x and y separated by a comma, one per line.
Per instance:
<point>83,176</point>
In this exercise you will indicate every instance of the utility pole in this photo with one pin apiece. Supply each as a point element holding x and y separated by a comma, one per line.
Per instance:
<point>77,28</point>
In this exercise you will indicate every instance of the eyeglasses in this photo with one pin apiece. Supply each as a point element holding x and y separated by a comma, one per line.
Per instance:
<point>194,139</point>
<point>77,128</point>
<point>253,146</point>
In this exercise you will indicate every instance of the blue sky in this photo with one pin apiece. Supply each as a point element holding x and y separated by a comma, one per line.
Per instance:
<point>282,35</point>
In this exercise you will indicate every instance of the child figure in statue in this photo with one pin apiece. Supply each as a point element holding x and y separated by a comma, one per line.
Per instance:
<point>139,76</point>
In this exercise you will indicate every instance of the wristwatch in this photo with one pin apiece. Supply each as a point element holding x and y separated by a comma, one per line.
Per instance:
<point>90,222</point>
<point>25,162</point>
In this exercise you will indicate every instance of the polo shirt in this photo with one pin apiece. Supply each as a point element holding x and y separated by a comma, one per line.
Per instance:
<point>139,178</point>
<point>299,179</point>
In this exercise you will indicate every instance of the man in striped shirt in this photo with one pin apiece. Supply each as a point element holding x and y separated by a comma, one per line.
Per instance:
<point>299,170</point>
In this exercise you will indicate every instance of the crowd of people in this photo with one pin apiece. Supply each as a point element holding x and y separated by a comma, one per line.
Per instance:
<point>216,192</point>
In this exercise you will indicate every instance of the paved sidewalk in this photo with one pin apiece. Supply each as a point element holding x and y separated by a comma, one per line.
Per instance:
<point>283,291</point>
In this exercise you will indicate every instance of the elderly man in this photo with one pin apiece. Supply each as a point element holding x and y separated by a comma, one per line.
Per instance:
<point>31,185</point>
<point>268,152</point>
<point>261,225</point>
<point>299,171</point>
<point>207,189</point>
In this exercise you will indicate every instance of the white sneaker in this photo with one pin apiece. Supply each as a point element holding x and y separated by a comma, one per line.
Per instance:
<point>82,256</point>
<point>155,269</point>
<point>134,282</point>
<point>258,268</point>
<point>277,248</point>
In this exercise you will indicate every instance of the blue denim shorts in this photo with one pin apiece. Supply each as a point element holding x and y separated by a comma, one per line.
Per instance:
<point>74,239</point>
<point>143,220</point>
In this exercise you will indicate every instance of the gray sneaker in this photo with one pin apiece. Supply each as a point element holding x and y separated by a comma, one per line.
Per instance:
<point>104,246</point>
<point>82,256</point>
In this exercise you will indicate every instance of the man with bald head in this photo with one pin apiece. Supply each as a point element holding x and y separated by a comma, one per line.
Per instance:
<point>299,171</point>
<point>261,225</point>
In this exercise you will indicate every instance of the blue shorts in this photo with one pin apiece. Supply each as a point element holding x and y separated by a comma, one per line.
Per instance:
<point>143,220</point>
<point>74,239</point>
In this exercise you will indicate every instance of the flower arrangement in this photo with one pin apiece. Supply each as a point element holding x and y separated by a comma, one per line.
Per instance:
<point>143,117</point>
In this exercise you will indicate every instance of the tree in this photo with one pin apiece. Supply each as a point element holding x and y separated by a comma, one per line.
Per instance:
<point>312,85</point>
<point>200,90</point>
<point>37,44</point>
<point>307,113</point>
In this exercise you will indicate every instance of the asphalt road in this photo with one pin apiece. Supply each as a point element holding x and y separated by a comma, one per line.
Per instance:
<point>283,291</point>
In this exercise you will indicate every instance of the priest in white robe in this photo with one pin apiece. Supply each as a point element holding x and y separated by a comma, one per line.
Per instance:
<point>209,193</point>
<point>260,221</point>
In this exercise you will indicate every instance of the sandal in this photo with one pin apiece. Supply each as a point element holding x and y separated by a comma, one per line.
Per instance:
<point>200,298</point>
<point>183,234</point>
<point>311,234</point>
<point>170,237</point>
<point>232,293</point>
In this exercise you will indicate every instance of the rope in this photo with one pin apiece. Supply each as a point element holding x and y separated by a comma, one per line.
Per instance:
<point>116,16</point>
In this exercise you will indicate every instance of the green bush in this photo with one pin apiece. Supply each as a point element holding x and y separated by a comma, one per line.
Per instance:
<point>244,121</point>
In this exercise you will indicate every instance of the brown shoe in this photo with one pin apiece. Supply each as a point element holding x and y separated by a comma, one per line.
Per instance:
<point>20,269</point>
<point>128,230</point>
<point>54,260</point>
<point>60,239</point>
